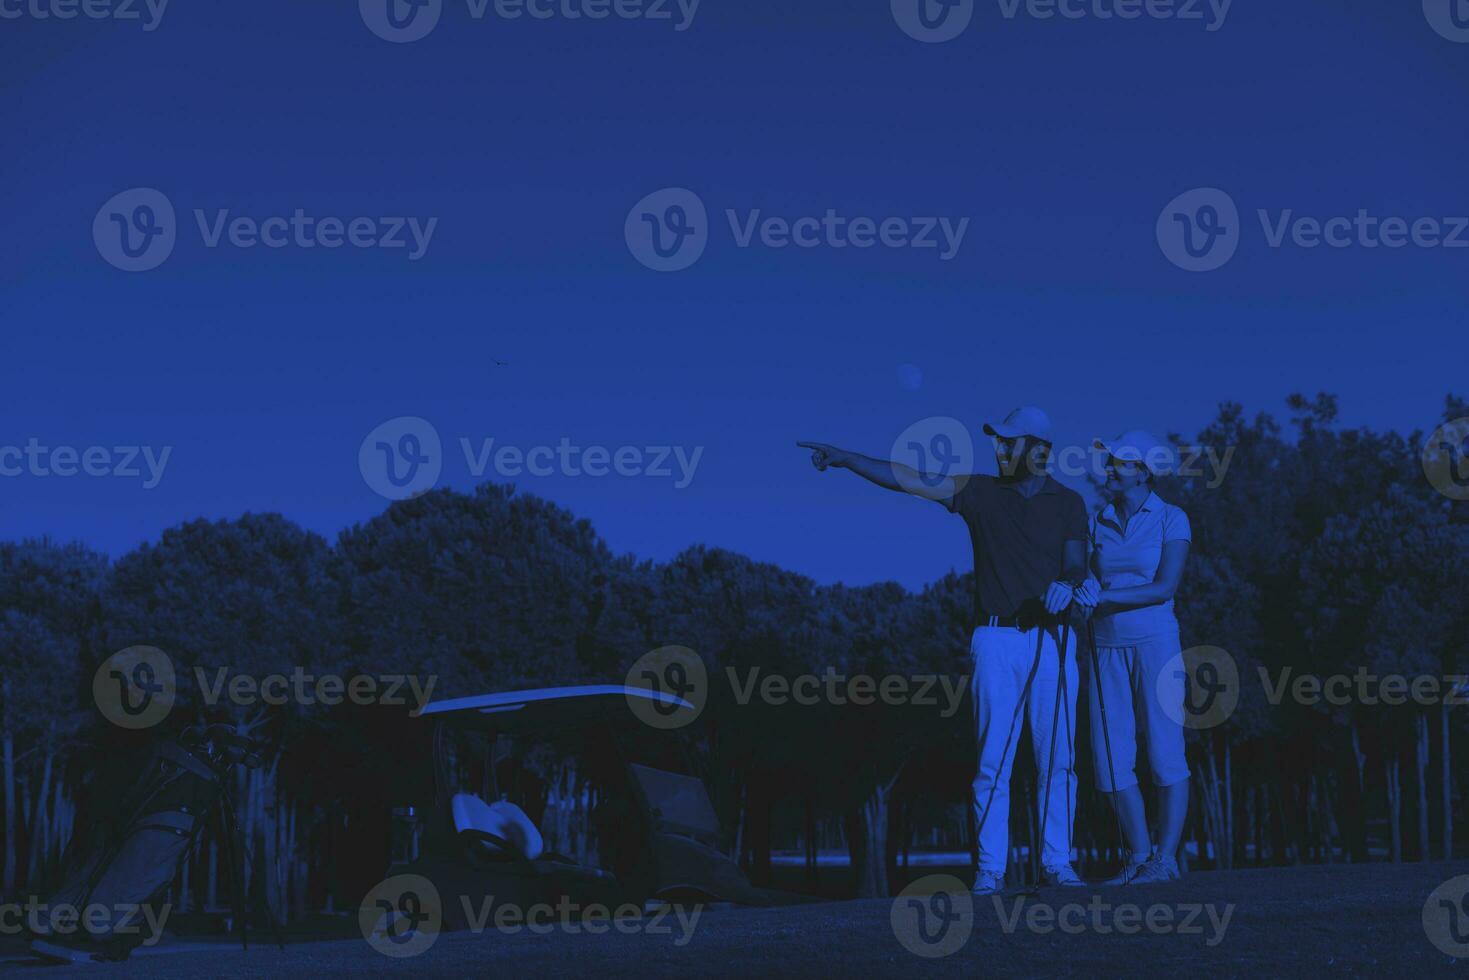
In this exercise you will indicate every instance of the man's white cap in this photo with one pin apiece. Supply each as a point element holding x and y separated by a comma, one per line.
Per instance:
<point>1138,446</point>
<point>1024,421</point>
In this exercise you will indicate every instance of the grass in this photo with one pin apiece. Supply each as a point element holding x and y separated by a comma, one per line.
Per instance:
<point>1339,920</point>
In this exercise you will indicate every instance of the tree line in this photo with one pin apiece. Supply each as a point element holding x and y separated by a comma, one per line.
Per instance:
<point>1323,552</point>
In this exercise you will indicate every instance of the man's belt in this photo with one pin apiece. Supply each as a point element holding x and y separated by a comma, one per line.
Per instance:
<point>1020,622</point>
<point>1023,619</point>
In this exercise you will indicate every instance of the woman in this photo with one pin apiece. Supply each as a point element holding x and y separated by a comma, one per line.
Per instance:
<point>1139,545</point>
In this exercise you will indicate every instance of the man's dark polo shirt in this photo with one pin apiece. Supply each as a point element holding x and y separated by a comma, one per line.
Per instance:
<point>1019,542</point>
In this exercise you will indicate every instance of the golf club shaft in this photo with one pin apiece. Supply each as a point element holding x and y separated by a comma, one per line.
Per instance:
<point>1091,636</point>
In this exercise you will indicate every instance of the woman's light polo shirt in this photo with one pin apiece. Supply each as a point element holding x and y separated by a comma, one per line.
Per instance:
<point>1122,559</point>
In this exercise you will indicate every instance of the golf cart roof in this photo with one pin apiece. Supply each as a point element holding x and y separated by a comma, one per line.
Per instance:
<point>547,706</point>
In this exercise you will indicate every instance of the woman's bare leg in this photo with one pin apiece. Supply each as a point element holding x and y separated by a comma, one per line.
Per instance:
<point>1134,819</point>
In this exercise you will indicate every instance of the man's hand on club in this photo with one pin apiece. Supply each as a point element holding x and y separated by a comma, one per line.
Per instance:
<point>823,455</point>
<point>1058,597</point>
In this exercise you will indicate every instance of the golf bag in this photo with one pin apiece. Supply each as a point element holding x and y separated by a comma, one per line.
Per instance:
<point>115,879</point>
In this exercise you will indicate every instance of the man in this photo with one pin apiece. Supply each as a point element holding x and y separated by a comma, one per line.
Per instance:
<point>1029,536</point>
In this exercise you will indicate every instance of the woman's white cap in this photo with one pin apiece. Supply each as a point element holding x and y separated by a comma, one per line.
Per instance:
<point>1138,446</point>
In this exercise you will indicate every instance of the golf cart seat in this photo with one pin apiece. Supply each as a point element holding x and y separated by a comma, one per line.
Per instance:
<point>496,830</point>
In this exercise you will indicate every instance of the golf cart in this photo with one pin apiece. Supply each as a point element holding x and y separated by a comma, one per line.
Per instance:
<point>562,795</point>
